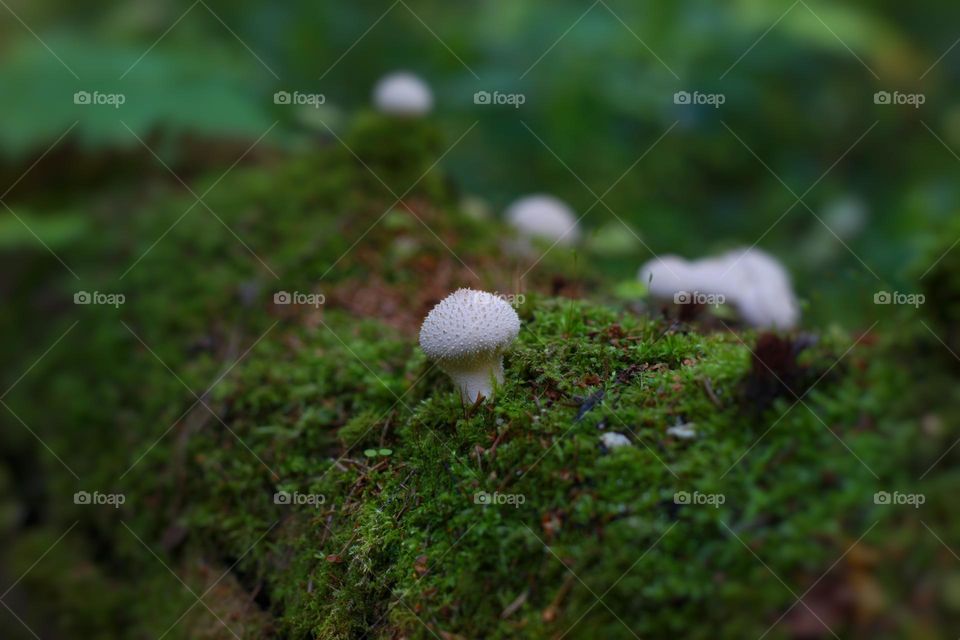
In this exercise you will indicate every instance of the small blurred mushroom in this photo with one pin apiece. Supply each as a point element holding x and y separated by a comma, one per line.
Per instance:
<point>543,217</point>
<point>751,280</point>
<point>403,94</point>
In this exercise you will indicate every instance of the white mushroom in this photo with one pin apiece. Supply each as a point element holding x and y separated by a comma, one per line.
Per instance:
<point>402,94</point>
<point>760,288</point>
<point>466,335</point>
<point>667,275</point>
<point>544,217</point>
<point>749,279</point>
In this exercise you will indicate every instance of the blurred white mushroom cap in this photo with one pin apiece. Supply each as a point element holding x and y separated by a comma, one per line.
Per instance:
<point>760,288</point>
<point>402,94</point>
<point>749,279</point>
<point>545,217</point>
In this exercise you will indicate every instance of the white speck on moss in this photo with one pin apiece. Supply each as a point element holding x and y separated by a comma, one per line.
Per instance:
<point>682,431</point>
<point>613,440</point>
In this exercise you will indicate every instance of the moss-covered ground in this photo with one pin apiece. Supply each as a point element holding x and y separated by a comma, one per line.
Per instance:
<point>302,471</point>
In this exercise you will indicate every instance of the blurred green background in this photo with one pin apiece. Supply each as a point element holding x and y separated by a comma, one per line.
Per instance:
<point>803,157</point>
<point>878,181</point>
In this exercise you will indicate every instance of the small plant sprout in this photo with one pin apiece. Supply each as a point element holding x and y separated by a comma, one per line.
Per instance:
<point>466,335</point>
<point>403,94</point>
<point>544,217</point>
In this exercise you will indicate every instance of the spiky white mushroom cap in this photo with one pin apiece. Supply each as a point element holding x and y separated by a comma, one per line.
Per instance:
<point>544,216</point>
<point>402,94</point>
<point>468,328</point>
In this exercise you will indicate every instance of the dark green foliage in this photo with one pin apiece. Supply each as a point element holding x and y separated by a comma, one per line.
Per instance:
<point>798,83</point>
<point>940,280</point>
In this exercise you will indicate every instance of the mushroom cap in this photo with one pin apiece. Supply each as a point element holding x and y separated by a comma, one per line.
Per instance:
<point>544,216</point>
<point>404,94</point>
<point>715,275</point>
<point>666,275</point>
<point>761,288</point>
<point>670,274</point>
<point>468,327</point>
<point>751,279</point>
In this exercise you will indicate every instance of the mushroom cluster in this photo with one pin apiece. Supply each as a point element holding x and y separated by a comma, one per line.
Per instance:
<point>466,334</point>
<point>402,94</point>
<point>754,282</point>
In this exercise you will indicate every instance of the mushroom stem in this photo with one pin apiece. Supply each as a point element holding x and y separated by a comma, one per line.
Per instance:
<point>479,381</point>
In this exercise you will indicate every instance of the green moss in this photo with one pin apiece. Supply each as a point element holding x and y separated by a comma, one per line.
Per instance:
<point>397,544</point>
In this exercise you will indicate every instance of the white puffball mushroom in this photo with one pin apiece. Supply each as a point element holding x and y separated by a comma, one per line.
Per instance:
<point>666,275</point>
<point>545,217</point>
<point>751,280</point>
<point>761,290</point>
<point>403,94</point>
<point>466,335</point>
